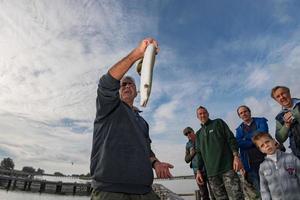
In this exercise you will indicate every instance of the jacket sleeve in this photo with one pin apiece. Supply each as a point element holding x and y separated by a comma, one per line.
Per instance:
<point>188,157</point>
<point>262,126</point>
<point>200,162</point>
<point>297,163</point>
<point>296,112</point>
<point>264,188</point>
<point>230,137</point>
<point>282,132</point>
<point>107,96</point>
<point>243,142</point>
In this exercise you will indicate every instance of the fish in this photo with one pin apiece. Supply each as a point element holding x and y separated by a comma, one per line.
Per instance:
<point>145,69</point>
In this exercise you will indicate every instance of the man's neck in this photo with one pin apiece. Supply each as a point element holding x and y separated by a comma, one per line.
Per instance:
<point>204,123</point>
<point>289,107</point>
<point>248,122</point>
<point>129,103</point>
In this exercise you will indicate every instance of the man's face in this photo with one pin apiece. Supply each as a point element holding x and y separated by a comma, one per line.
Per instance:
<point>202,115</point>
<point>266,145</point>
<point>127,90</point>
<point>283,97</point>
<point>244,114</point>
<point>191,135</point>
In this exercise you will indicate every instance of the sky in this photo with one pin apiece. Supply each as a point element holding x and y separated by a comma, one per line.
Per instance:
<point>219,54</point>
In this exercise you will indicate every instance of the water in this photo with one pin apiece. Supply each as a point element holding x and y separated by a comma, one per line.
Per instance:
<point>65,179</point>
<point>18,195</point>
<point>183,186</point>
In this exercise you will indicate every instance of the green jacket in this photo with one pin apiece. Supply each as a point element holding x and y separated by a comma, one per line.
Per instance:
<point>215,146</point>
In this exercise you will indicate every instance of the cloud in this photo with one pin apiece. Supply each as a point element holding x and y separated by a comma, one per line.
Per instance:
<point>282,12</point>
<point>257,78</point>
<point>39,144</point>
<point>52,55</point>
<point>163,115</point>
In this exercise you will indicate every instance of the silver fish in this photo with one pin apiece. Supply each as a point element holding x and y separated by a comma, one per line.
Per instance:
<point>145,69</point>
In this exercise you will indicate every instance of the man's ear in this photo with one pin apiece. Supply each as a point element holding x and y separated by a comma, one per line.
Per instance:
<point>136,92</point>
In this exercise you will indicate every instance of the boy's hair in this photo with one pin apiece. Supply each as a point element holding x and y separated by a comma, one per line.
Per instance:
<point>260,135</point>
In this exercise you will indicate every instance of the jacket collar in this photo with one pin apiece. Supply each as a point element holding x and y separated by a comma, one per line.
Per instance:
<point>295,103</point>
<point>278,155</point>
<point>206,123</point>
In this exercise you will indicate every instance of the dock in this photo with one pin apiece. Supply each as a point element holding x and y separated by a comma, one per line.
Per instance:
<point>25,182</point>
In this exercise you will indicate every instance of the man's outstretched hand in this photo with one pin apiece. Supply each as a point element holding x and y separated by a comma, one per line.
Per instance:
<point>162,169</point>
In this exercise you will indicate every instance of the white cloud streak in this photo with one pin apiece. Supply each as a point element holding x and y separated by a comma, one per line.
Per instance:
<point>53,52</point>
<point>52,55</point>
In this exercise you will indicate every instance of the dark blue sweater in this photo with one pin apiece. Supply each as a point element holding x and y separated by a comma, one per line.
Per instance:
<point>121,144</point>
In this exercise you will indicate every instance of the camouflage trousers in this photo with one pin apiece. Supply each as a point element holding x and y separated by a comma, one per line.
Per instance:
<point>205,192</point>
<point>100,195</point>
<point>226,186</point>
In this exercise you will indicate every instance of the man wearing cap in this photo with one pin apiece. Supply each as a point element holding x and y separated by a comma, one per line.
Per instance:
<point>190,157</point>
<point>121,157</point>
<point>218,150</point>
<point>288,119</point>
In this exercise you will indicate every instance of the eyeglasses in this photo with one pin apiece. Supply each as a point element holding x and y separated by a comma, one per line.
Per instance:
<point>186,133</point>
<point>123,84</point>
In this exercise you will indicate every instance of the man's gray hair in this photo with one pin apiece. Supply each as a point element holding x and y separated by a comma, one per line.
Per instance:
<point>278,87</point>
<point>128,78</point>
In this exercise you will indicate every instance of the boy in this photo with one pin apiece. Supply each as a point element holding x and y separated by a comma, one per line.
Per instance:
<point>279,172</point>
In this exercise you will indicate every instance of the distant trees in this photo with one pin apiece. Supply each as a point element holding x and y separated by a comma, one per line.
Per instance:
<point>28,169</point>
<point>40,171</point>
<point>7,163</point>
<point>58,174</point>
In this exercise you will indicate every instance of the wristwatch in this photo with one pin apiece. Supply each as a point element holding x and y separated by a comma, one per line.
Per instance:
<point>153,162</point>
<point>236,154</point>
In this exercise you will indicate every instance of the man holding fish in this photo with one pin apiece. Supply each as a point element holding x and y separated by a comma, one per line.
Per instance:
<point>121,158</point>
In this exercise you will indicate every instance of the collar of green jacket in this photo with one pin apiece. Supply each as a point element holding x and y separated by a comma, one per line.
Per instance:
<point>206,123</point>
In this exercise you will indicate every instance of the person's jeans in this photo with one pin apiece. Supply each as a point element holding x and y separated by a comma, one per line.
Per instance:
<point>253,178</point>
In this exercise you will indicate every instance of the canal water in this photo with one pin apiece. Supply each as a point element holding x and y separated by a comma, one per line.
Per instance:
<point>183,186</point>
<point>19,195</point>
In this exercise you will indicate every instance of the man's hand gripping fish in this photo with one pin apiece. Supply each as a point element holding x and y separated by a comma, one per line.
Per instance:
<point>145,69</point>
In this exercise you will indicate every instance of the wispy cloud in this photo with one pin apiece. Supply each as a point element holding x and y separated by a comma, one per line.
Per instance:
<point>257,78</point>
<point>53,53</point>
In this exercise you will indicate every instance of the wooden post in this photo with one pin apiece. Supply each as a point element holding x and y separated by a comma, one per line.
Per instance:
<point>14,184</point>
<point>198,194</point>
<point>74,189</point>
<point>29,186</point>
<point>25,185</point>
<point>88,189</point>
<point>8,184</point>
<point>58,187</point>
<point>42,187</point>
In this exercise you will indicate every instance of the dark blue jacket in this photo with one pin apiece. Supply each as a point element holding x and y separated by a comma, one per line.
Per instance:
<point>245,141</point>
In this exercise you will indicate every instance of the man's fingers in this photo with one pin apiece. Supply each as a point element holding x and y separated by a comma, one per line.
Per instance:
<point>162,170</point>
<point>170,166</point>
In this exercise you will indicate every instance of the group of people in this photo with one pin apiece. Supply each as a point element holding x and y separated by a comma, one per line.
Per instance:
<point>217,157</point>
<point>122,161</point>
